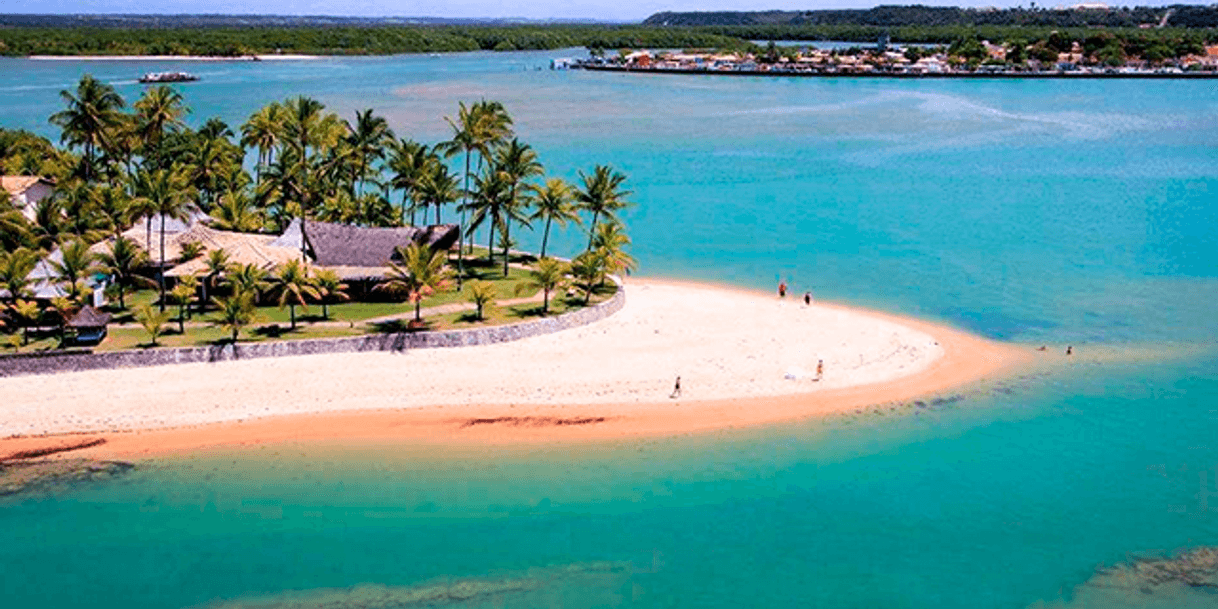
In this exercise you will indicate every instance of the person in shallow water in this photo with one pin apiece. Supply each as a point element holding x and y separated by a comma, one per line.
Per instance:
<point>807,298</point>
<point>782,289</point>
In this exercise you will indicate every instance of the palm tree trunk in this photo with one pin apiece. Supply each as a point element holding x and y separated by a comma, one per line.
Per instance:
<point>292,308</point>
<point>545,238</point>
<point>506,236</point>
<point>545,302</point>
<point>418,309</point>
<point>160,275</point>
<point>592,229</point>
<point>460,226</point>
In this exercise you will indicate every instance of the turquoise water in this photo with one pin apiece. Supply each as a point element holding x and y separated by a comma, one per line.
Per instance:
<point>1036,212</point>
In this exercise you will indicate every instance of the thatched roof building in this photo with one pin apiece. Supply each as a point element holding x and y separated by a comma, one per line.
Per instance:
<point>358,252</point>
<point>89,317</point>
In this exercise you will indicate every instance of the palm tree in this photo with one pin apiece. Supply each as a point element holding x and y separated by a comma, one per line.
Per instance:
<point>235,312</point>
<point>482,294</point>
<point>490,196</point>
<point>264,131</point>
<point>76,262</point>
<point>29,314</point>
<point>217,265</point>
<point>588,269</point>
<point>158,111</point>
<point>14,228</point>
<point>602,195</point>
<point>437,187</point>
<point>307,130</point>
<point>182,294</point>
<point>152,321</point>
<point>236,212</point>
<point>78,200</point>
<point>123,259</point>
<point>518,162</point>
<point>168,192</point>
<point>368,138</point>
<point>93,112</point>
<point>420,273</point>
<point>609,242</point>
<point>114,205</point>
<point>409,161</point>
<point>64,308</point>
<point>50,225</point>
<point>553,203</point>
<point>247,279</point>
<point>331,287</point>
<point>15,268</point>
<point>476,129</point>
<point>548,275</point>
<point>294,287</point>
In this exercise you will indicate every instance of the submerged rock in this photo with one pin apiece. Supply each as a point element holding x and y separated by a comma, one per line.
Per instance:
<point>19,476</point>
<point>586,577</point>
<point>1188,578</point>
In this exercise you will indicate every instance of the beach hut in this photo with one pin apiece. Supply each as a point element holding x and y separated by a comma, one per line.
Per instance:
<point>89,326</point>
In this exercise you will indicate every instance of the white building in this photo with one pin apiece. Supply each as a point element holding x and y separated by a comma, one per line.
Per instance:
<point>26,191</point>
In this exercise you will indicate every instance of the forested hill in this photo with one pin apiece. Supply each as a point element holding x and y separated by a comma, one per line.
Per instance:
<point>1181,16</point>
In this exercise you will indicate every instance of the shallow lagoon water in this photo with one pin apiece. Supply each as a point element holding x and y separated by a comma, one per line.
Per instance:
<point>1032,211</point>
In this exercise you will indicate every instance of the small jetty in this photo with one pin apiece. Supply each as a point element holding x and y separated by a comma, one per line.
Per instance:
<point>159,77</point>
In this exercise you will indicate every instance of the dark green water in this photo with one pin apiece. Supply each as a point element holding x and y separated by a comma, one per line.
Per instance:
<point>1035,212</point>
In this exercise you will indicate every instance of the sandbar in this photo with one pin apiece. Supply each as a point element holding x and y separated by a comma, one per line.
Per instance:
<point>745,358</point>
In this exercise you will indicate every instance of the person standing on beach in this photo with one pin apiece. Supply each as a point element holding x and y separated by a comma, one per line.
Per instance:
<point>782,289</point>
<point>808,298</point>
<point>676,389</point>
<point>820,369</point>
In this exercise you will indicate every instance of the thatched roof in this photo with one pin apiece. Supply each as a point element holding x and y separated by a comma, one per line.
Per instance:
<point>242,248</point>
<point>337,245</point>
<point>88,317</point>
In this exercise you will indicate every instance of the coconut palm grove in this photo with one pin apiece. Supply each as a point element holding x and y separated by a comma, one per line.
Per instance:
<point>296,223</point>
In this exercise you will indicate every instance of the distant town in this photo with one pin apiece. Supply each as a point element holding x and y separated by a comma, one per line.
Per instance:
<point>965,58</point>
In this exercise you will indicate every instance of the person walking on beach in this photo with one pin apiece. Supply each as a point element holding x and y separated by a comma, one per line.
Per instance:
<point>808,298</point>
<point>676,389</point>
<point>782,289</point>
<point>820,369</point>
<point>1070,350</point>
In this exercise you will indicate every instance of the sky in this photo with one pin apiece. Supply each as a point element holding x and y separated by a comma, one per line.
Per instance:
<point>607,10</point>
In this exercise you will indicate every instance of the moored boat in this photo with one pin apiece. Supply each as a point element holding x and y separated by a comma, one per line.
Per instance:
<point>156,77</point>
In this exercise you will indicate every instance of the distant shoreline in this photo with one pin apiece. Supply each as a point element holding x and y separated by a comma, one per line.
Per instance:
<point>913,76</point>
<point>285,57</point>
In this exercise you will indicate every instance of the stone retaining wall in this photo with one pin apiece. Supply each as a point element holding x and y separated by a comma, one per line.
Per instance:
<point>82,359</point>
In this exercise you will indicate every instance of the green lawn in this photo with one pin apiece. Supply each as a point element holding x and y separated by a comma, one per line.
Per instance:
<point>345,319</point>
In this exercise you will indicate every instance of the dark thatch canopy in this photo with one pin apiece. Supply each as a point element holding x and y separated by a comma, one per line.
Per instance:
<point>358,246</point>
<point>88,317</point>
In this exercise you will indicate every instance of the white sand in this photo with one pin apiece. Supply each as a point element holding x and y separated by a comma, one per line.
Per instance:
<point>725,344</point>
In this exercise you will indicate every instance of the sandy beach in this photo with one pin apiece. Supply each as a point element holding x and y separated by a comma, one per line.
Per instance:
<point>744,359</point>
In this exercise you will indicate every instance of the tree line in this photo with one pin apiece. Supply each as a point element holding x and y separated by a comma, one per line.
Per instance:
<point>346,40</point>
<point>1181,16</point>
<point>142,163</point>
